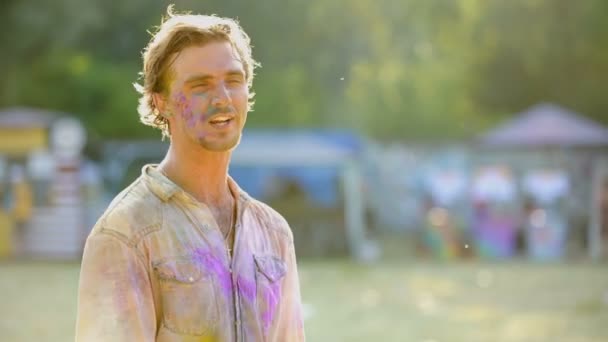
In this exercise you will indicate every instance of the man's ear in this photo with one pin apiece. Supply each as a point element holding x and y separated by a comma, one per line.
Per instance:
<point>160,103</point>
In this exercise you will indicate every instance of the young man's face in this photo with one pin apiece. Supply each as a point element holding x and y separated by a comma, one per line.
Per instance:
<point>208,97</point>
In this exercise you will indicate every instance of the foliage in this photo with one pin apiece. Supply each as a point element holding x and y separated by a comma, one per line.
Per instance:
<point>389,69</point>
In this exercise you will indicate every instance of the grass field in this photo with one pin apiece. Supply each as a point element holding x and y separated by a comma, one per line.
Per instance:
<point>421,302</point>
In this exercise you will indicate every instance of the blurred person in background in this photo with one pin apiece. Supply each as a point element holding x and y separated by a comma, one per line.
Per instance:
<point>604,217</point>
<point>183,254</point>
<point>21,205</point>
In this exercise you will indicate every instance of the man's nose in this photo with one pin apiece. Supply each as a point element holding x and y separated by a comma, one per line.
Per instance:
<point>221,96</point>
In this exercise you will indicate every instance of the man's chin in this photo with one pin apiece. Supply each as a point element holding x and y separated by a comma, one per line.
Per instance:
<point>223,145</point>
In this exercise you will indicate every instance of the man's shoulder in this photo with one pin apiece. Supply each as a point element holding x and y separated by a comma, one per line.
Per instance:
<point>270,218</point>
<point>133,213</point>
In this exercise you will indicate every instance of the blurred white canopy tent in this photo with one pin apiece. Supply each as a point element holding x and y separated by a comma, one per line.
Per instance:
<point>494,183</point>
<point>550,127</point>
<point>547,125</point>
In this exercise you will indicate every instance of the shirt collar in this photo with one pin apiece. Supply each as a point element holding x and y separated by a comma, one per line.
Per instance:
<point>158,183</point>
<point>164,188</point>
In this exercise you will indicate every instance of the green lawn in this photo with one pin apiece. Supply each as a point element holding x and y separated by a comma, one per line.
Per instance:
<point>387,302</point>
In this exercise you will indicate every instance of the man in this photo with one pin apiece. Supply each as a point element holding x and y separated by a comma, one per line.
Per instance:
<point>183,254</point>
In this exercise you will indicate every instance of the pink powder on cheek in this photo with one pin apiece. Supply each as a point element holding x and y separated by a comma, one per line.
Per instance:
<point>185,108</point>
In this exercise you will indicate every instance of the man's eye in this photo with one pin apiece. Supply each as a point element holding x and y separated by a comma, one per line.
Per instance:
<point>200,86</point>
<point>235,81</point>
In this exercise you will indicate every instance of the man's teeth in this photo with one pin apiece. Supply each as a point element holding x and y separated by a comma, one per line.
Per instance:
<point>219,120</point>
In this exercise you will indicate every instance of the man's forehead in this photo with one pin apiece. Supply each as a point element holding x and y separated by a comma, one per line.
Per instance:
<point>212,58</point>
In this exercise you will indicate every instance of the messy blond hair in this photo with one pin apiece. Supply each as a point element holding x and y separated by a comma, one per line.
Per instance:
<point>177,32</point>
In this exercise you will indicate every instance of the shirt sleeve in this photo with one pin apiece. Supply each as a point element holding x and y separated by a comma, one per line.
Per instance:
<point>291,324</point>
<point>115,301</point>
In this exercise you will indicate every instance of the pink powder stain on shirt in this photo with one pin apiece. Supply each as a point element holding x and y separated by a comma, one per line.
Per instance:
<point>120,295</point>
<point>122,283</point>
<point>297,317</point>
<point>247,288</point>
<point>214,264</point>
<point>271,296</point>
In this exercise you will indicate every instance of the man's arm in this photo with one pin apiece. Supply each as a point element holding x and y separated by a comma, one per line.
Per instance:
<point>291,323</point>
<point>115,301</point>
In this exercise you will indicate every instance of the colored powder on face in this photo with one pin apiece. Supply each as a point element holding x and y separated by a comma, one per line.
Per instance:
<point>185,109</point>
<point>247,288</point>
<point>201,99</point>
<point>271,296</point>
<point>203,96</point>
<point>213,264</point>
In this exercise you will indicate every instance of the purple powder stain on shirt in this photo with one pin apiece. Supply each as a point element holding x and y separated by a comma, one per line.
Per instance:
<point>297,317</point>
<point>247,288</point>
<point>271,296</point>
<point>214,264</point>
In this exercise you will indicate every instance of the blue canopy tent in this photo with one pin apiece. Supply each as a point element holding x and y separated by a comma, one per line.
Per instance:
<point>318,162</point>
<point>311,159</point>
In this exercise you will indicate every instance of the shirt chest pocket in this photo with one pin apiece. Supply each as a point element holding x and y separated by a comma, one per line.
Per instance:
<point>270,271</point>
<point>187,296</point>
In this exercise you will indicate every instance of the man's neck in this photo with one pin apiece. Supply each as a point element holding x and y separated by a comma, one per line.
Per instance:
<point>203,174</point>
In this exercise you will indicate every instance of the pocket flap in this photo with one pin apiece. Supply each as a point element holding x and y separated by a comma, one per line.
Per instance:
<point>182,271</point>
<point>271,266</point>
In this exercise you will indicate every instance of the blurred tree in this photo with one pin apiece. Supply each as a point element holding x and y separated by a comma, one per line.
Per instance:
<point>391,69</point>
<point>546,50</point>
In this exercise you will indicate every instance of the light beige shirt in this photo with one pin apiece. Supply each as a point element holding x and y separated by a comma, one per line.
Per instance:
<point>156,268</point>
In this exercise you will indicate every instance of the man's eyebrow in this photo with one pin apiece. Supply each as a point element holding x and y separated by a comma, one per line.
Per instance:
<point>235,72</point>
<point>198,77</point>
<point>206,77</point>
